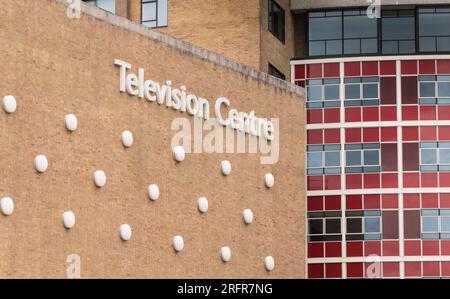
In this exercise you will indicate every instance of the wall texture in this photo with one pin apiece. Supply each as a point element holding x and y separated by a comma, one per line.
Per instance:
<point>272,49</point>
<point>54,65</point>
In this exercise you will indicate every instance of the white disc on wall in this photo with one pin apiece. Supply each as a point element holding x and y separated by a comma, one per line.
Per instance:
<point>127,138</point>
<point>7,206</point>
<point>179,153</point>
<point>202,204</point>
<point>269,180</point>
<point>99,178</point>
<point>41,163</point>
<point>225,167</point>
<point>178,243</point>
<point>71,122</point>
<point>68,218</point>
<point>125,232</point>
<point>9,104</point>
<point>247,214</point>
<point>153,192</point>
<point>225,254</point>
<point>269,263</point>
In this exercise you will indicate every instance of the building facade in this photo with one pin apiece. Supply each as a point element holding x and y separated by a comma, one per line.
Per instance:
<point>80,85</point>
<point>378,132</point>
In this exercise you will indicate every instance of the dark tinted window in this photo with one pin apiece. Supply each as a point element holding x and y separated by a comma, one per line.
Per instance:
<point>276,20</point>
<point>398,32</point>
<point>434,29</point>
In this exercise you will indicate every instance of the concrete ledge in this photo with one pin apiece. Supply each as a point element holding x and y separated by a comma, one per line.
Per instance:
<point>186,47</point>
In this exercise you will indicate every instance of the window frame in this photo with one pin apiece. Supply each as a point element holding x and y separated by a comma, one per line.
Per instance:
<point>157,2</point>
<point>94,2</point>
<point>271,4</point>
<point>379,33</point>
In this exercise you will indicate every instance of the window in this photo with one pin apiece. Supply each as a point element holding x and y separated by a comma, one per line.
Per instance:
<point>435,156</point>
<point>361,91</point>
<point>154,13</point>
<point>434,90</point>
<point>324,159</point>
<point>324,226</point>
<point>276,73</point>
<point>436,224</point>
<point>325,33</point>
<point>323,93</point>
<point>360,33</point>
<point>434,29</point>
<point>362,158</point>
<point>108,5</point>
<point>276,20</point>
<point>363,225</point>
<point>398,31</point>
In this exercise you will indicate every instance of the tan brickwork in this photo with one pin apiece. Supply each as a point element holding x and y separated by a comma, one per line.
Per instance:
<point>272,49</point>
<point>54,65</point>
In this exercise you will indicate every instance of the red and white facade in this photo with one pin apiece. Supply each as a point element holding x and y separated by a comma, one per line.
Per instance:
<point>378,183</point>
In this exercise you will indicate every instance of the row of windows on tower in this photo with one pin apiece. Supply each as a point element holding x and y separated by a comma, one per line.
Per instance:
<point>153,12</point>
<point>353,32</point>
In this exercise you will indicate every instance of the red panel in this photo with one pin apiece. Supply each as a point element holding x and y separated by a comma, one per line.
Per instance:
<point>331,70</point>
<point>332,136</point>
<point>388,113</point>
<point>391,269</point>
<point>371,180</point>
<point>370,68</point>
<point>315,136</point>
<point>315,203</point>
<point>430,247</point>
<point>410,133</point>
<point>333,270</point>
<point>410,113</point>
<point>353,202</point>
<point>409,90</point>
<point>370,114</point>
<point>314,116</point>
<point>300,71</point>
<point>388,134</point>
<point>352,69</point>
<point>371,135</point>
<point>431,269</point>
<point>444,200</point>
<point>371,202</point>
<point>332,182</point>
<point>443,66</point>
<point>333,249</point>
<point>354,248</point>
<point>333,202</point>
<point>445,269</point>
<point>387,68</point>
<point>389,201</point>
<point>353,114</point>
<point>427,112</point>
<point>355,270</point>
<point>316,271</point>
<point>390,248</point>
<point>428,133</point>
<point>413,269</point>
<point>372,247</point>
<point>430,200</point>
<point>444,179</point>
<point>443,112</point>
<point>314,70</point>
<point>409,67</point>
<point>315,250</point>
<point>412,248</point>
<point>411,201</point>
<point>332,115</point>
<point>352,135</point>
<point>445,247</point>
<point>353,181</point>
<point>429,180</point>
<point>315,182</point>
<point>427,67</point>
<point>411,180</point>
<point>389,180</point>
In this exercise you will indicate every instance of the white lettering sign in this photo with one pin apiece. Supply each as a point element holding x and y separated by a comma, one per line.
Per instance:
<point>179,99</point>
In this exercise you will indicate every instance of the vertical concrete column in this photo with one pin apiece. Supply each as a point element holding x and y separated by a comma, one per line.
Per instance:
<point>133,10</point>
<point>121,8</point>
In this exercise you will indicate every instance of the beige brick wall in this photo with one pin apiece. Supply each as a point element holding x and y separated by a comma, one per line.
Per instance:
<point>227,27</point>
<point>272,49</point>
<point>54,65</point>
